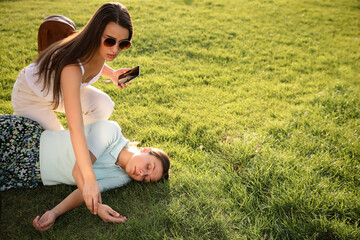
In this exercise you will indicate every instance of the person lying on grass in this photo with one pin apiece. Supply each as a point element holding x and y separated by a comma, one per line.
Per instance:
<point>31,157</point>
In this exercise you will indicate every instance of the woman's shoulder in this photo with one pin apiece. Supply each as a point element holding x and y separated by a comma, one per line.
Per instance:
<point>71,74</point>
<point>72,68</point>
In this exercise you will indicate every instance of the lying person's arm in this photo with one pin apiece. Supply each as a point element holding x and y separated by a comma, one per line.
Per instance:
<point>46,221</point>
<point>72,201</point>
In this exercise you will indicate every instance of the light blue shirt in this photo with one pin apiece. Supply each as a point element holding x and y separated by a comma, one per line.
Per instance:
<point>105,141</point>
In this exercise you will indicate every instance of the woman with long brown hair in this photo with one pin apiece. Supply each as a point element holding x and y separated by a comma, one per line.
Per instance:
<point>60,78</point>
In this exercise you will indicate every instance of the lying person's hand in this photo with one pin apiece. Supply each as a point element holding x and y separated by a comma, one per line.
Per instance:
<point>107,214</point>
<point>44,222</point>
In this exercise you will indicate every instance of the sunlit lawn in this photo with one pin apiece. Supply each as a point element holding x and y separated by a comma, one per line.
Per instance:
<point>256,102</point>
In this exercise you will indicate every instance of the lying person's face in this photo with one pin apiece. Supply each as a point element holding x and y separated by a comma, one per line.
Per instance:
<point>144,167</point>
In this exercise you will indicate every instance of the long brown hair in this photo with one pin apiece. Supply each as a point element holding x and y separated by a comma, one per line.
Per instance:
<point>81,45</point>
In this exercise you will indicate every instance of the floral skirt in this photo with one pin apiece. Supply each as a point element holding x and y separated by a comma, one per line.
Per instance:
<point>19,152</point>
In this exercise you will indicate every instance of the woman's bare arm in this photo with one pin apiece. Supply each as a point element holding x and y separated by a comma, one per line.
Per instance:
<point>77,173</point>
<point>112,74</point>
<point>70,84</point>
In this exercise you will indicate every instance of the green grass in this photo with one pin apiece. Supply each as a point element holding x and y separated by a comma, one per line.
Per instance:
<point>256,102</point>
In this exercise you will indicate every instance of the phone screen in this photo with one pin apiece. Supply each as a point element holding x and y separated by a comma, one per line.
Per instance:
<point>129,75</point>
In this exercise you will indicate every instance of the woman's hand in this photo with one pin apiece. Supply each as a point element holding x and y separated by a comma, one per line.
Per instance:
<point>116,75</point>
<point>92,196</point>
<point>44,222</point>
<point>112,74</point>
<point>107,214</point>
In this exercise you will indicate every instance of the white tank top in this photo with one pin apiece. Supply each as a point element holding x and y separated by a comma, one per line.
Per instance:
<point>37,86</point>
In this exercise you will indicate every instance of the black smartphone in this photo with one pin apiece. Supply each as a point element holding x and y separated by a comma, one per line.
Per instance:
<point>129,75</point>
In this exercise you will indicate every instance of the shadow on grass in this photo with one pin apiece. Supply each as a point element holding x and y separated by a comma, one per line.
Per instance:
<point>143,205</point>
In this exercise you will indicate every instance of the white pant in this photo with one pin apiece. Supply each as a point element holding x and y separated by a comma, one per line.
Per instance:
<point>95,104</point>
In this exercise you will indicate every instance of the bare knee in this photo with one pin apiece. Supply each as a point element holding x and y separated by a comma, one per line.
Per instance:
<point>101,109</point>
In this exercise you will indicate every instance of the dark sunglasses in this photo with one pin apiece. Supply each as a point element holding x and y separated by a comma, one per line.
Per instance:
<point>123,44</point>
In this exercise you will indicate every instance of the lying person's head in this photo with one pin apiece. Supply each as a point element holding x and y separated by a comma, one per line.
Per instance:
<point>148,165</point>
